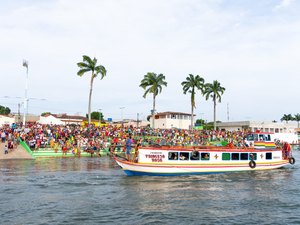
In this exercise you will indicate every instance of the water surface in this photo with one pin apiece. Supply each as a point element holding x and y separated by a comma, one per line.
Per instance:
<point>96,191</point>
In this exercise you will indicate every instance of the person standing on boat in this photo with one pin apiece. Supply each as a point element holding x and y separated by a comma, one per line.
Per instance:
<point>136,151</point>
<point>128,144</point>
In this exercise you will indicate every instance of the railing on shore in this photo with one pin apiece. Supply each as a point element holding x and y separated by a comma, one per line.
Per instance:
<point>26,147</point>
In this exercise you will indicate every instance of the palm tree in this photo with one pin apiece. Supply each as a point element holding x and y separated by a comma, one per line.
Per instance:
<point>189,85</point>
<point>89,65</point>
<point>152,83</point>
<point>297,118</point>
<point>287,118</point>
<point>214,91</point>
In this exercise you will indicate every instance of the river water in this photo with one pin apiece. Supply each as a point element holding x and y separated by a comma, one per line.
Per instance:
<point>97,191</point>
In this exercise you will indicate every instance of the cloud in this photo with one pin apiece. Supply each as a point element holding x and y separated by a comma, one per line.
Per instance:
<point>283,4</point>
<point>249,49</point>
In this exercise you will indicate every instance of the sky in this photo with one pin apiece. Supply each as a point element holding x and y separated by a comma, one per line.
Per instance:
<point>252,47</point>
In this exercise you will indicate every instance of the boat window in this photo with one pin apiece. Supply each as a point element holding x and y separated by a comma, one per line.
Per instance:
<point>252,156</point>
<point>226,156</point>
<point>204,156</point>
<point>269,155</point>
<point>244,156</point>
<point>235,156</point>
<point>261,137</point>
<point>255,137</point>
<point>184,156</point>
<point>195,155</point>
<point>173,155</point>
<point>268,137</point>
<point>250,137</point>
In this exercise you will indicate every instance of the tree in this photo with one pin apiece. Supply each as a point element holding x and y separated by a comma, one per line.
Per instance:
<point>89,65</point>
<point>191,84</point>
<point>215,91</point>
<point>45,113</point>
<point>297,118</point>
<point>152,83</point>
<point>96,116</point>
<point>287,118</point>
<point>4,110</point>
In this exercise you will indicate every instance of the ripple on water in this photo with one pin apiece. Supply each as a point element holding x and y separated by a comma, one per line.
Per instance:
<point>93,191</point>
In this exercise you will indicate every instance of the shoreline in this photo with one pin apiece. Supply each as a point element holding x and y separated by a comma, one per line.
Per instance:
<point>17,153</point>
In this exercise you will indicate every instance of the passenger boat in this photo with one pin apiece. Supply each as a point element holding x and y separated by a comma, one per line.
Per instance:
<point>173,161</point>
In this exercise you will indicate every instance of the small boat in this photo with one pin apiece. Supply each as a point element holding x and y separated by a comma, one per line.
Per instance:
<point>174,161</point>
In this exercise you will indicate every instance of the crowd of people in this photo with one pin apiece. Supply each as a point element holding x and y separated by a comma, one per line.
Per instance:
<point>93,139</point>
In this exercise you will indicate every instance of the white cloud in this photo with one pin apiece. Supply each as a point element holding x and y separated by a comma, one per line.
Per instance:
<point>283,4</point>
<point>252,54</point>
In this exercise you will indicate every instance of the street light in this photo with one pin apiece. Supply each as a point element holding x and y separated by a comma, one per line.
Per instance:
<point>201,115</point>
<point>22,103</point>
<point>138,119</point>
<point>25,64</point>
<point>122,114</point>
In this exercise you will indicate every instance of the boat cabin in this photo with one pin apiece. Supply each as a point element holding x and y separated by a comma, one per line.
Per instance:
<point>260,140</point>
<point>179,156</point>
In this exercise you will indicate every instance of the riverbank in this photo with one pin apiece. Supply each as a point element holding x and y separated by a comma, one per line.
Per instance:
<point>17,153</point>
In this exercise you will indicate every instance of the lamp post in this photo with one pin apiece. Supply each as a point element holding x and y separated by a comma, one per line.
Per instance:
<point>138,120</point>
<point>25,64</point>
<point>201,115</point>
<point>99,116</point>
<point>19,114</point>
<point>22,103</point>
<point>122,114</point>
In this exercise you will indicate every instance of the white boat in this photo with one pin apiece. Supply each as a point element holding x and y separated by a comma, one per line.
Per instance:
<point>173,161</point>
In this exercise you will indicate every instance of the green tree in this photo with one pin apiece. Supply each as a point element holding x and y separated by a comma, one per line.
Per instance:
<point>191,84</point>
<point>214,91</point>
<point>45,113</point>
<point>200,121</point>
<point>89,65</point>
<point>96,116</point>
<point>4,110</point>
<point>152,83</point>
<point>297,118</point>
<point>287,118</point>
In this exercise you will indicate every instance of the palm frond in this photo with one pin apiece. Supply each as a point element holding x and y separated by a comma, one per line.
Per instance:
<point>88,60</point>
<point>82,71</point>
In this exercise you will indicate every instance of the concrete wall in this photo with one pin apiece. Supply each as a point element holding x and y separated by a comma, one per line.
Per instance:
<point>263,126</point>
<point>50,120</point>
<point>6,120</point>
<point>168,123</point>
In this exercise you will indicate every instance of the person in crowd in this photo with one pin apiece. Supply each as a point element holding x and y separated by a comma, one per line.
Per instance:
<point>5,149</point>
<point>128,146</point>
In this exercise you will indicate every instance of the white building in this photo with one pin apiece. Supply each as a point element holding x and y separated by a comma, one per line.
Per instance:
<point>168,120</point>
<point>281,130</point>
<point>132,123</point>
<point>61,119</point>
<point>263,126</point>
<point>6,120</point>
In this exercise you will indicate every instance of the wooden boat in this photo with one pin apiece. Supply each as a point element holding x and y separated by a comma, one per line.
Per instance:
<point>171,161</point>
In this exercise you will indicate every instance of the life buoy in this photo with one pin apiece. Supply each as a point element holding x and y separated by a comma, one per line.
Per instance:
<point>292,160</point>
<point>252,164</point>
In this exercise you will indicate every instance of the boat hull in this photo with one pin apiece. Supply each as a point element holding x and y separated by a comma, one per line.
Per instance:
<point>137,169</point>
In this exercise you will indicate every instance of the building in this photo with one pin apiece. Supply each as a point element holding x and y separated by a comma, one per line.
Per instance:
<point>6,120</point>
<point>131,123</point>
<point>168,120</point>
<point>61,119</point>
<point>263,126</point>
<point>281,130</point>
